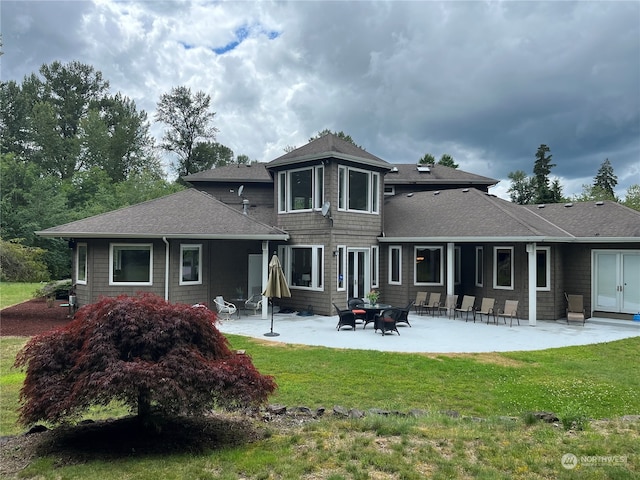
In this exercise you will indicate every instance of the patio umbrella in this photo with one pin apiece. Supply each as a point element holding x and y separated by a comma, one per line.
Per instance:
<point>276,287</point>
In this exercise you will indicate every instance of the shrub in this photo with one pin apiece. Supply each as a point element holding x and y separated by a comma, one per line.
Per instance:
<point>19,263</point>
<point>59,289</point>
<point>153,356</point>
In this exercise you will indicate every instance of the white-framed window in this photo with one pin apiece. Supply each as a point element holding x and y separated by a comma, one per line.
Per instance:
<point>375,261</point>
<point>301,190</point>
<point>81,263</point>
<point>503,268</point>
<point>429,267</point>
<point>543,268</point>
<point>131,264</point>
<point>191,264</point>
<point>358,190</point>
<point>341,260</point>
<point>304,266</point>
<point>479,266</point>
<point>395,265</point>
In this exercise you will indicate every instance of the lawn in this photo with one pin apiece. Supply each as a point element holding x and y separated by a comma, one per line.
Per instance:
<point>13,293</point>
<point>475,418</point>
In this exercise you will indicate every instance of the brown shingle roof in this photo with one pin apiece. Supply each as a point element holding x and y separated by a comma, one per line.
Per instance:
<point>468,214</point>
<point>256,172</point>
<point>603,220</point>
<point>407,174</point>
<point>329,146</point>
<point>189,213</point>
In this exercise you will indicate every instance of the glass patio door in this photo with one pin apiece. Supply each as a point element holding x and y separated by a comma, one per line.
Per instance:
<point>358,283</point>
<point>617,281</point>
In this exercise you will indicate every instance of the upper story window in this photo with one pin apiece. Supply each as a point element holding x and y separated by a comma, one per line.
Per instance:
<point>358,190</point>
<point>301,189</point>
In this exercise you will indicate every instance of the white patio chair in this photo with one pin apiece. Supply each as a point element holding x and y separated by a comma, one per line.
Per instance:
<point>225,309</point>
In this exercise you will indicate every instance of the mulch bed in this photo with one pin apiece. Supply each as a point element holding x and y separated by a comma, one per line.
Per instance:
<point>32,318</point>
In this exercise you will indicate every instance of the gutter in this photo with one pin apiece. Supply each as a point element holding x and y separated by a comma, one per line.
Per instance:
<point>166,269</point>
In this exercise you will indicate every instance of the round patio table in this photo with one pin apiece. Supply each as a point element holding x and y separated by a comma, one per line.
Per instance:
<point>372,310</point>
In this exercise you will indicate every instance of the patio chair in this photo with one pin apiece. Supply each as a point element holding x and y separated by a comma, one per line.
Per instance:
<point>465,307</point>
<point>346,318</point>
<point>403,315</point>
<point>254,303</point>
<point>386,321</point>
<point>449,305</point>
<point>433,304</point>
<point>510,311</point>
<point>421,299</point>
<point>575,308</point>
<point>225,309</point>
<point>353,304</point>
<point>486,308</point>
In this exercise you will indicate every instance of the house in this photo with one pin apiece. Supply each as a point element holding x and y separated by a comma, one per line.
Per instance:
<point>344,221</point>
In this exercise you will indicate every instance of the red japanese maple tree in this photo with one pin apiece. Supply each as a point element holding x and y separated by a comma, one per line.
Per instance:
<point>153,356</point>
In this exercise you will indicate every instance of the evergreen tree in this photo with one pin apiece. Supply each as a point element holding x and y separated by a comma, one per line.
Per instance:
<point>605,179</point>
<point>541,170</point>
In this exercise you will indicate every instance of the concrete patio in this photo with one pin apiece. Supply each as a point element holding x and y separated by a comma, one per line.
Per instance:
<point>432,334</point>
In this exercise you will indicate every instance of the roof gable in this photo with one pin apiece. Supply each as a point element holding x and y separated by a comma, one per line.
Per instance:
<point>329,146</point>
<point>189,213</point>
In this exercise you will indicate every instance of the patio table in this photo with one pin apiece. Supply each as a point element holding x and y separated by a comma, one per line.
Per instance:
<point>372,310</point>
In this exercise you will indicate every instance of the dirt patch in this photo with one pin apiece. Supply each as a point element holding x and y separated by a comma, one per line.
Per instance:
<point>33,318</point>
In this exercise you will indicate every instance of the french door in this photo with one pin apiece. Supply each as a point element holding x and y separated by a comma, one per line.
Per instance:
<point>617,281</point>
<point>358,275</point>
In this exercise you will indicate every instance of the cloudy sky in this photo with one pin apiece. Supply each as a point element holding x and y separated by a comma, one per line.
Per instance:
<point>486,82</point>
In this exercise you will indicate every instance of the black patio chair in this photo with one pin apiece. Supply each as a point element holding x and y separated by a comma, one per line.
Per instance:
<point>387,320</point>
<point>353,304</point>
<point>346,318</point>
<point>403,315</point>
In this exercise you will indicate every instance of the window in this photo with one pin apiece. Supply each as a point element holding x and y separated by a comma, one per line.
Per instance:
<point>389,190</point>
<point>358,190</point>
<point>81,264</point>
<point>503,268</point>
<point>131,264</point>
<point>395,265</point>
<point>304,268</point>
<point>479,266</point>
<point>374,266</point>
<point>429,265</point>
<point>543,270</point>
<point>191,256</point>
<point>301,190</point>
<point>341,258</point>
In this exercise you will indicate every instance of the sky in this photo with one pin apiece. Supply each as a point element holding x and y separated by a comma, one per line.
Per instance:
<point>485,82</point>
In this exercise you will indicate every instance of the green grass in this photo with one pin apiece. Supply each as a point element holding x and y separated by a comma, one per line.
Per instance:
<point>494,437</point>
<point>12,293</point>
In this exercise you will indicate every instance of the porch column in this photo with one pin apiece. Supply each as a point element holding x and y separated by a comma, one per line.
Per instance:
<point>533,307</point>
<point>451,264</point>
<point>265,276</point>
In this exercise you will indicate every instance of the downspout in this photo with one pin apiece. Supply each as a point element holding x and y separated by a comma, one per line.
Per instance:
<point>166,268</point>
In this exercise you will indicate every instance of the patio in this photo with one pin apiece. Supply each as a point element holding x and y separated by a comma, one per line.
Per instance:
<point>432,334</point>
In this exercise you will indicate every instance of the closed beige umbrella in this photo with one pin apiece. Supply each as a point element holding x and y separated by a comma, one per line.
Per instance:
<point>277,287</point>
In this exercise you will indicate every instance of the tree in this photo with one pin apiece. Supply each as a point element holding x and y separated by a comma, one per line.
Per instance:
<point>541,170</point>
<point>632,198</point>
<point>208,155</point>
<point>606,180</point>
<point>189,120</point>
<point>522,189</point>
<point>447,161</point>
<point>143,351</point>
<point>427,159</point>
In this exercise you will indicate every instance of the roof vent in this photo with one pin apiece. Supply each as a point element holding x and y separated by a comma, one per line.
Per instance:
<point>437,192</point>
<point>542,205</point>
<point>600,203</point>
<point>393,170</point>
<point>465,190</point>
<point>422,168</point>
<point>568,205</point>
<point>410,194</point>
